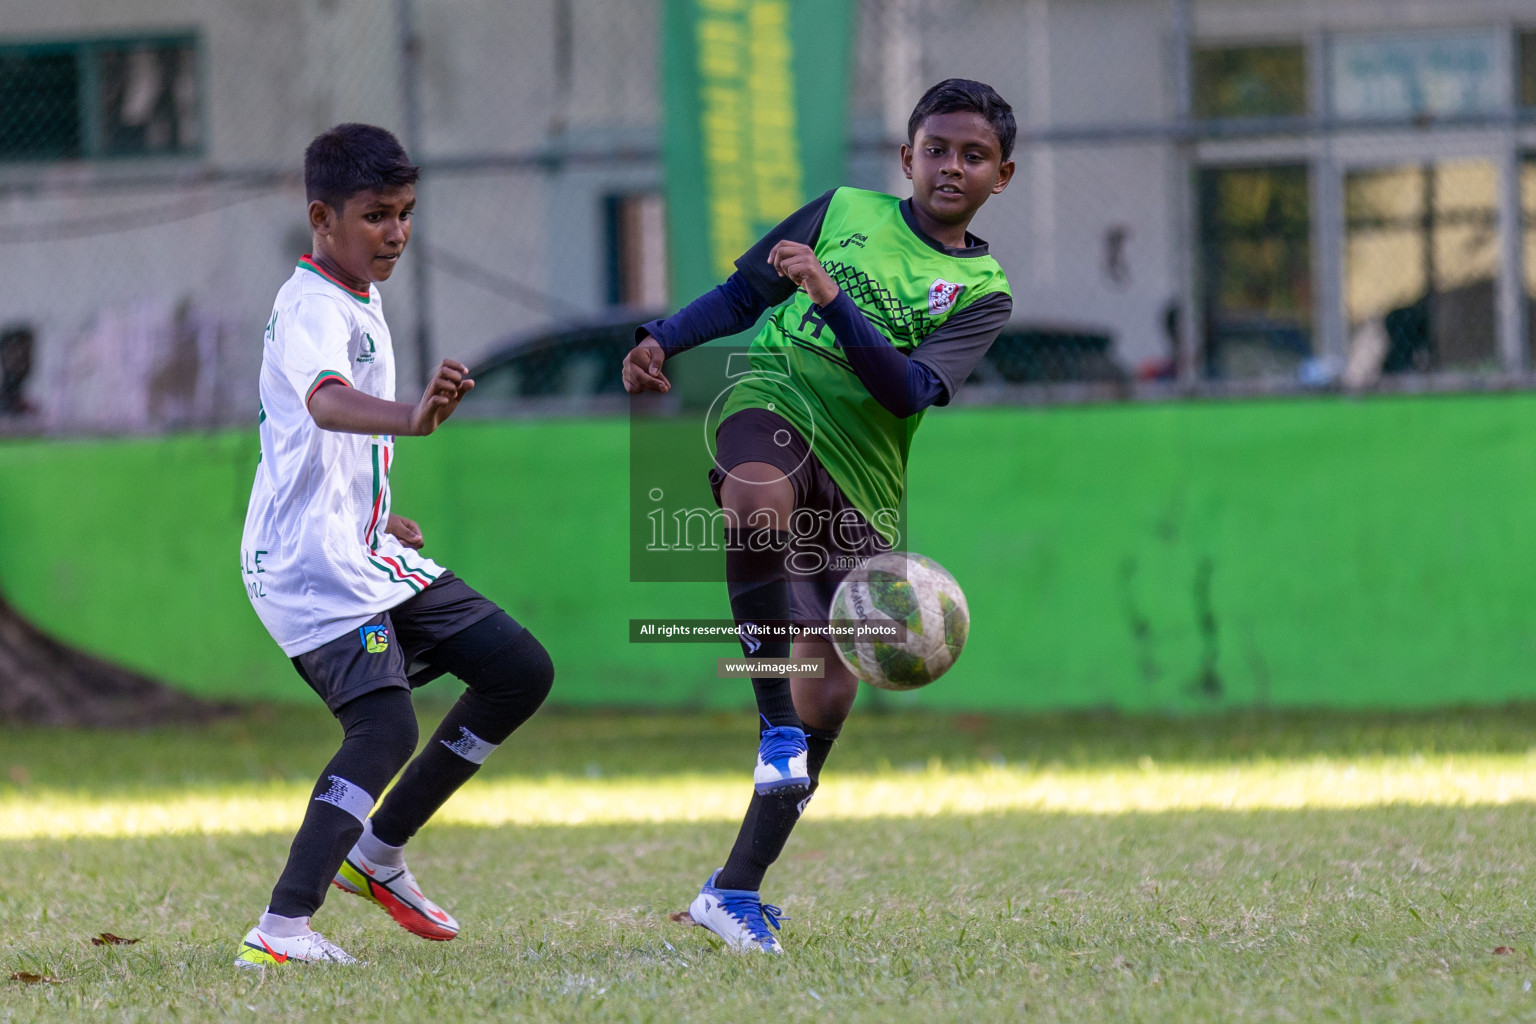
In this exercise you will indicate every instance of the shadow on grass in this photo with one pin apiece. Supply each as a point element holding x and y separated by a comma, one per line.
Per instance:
<point>291,743</point>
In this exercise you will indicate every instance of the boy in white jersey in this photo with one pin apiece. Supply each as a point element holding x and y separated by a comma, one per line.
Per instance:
<point>336,577</point>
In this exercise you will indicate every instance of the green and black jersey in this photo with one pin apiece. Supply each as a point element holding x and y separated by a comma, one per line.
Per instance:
<point>942,306</point>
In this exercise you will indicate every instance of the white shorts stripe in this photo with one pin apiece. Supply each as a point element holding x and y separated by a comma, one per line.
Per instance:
<point>349,797</point>
<point>470,747</point>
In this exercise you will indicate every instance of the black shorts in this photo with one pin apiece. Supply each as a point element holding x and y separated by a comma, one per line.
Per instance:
<point>829,536</point>
<point>393,649</point>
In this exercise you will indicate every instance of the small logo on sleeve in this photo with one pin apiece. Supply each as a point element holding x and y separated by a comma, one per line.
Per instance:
<point>942,295</point>
<point>375,639</point>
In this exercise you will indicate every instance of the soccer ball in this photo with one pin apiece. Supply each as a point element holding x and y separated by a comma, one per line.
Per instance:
<point>910,589</point>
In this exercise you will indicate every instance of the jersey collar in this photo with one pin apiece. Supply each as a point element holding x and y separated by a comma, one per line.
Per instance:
<point>974,246</point>
<point>308,262</point>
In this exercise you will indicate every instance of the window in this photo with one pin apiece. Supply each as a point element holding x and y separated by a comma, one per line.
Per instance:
<point>1421,262</point>
<point>39,104</point>
<point>1419,74</point>
<point>1250,81</point>
<point>637,250</point>
<point>1256,248</point>
<point>99,98</point>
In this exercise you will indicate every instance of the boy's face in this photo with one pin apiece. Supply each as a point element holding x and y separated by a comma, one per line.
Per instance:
<point>364,239</point>
<point>955,163</point>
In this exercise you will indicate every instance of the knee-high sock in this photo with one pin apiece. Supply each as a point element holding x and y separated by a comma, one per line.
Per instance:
<point>770,819</point>
<point>379,735</point>
<point>509,673</point>
<point>758,583</point>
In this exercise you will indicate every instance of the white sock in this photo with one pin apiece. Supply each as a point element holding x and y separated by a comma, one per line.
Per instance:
<point>283,927</point>
<point>378,851</point>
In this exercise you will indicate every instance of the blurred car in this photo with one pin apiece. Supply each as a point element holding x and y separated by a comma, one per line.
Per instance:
<point>1024,354</point>
<point>572,368</point>
<point>577,368</point>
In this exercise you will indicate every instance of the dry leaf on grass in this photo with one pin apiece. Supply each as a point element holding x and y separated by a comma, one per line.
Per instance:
<point>1503,950</point>
<point>108,939</point>
<point>682,917</point>
<point>28,978</point>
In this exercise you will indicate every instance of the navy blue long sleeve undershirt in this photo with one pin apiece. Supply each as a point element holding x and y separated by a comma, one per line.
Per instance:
<point>719,313</point>
<point>902,385</point>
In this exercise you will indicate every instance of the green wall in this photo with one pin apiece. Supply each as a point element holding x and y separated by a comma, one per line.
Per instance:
<point>1145,557</point>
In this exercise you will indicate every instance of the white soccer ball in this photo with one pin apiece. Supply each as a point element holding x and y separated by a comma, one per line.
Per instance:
<point>916,592</point>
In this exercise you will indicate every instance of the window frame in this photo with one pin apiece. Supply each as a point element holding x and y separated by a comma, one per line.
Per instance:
<point>87,51</point>
<point>1308,92</point>
<point>1332,148</point>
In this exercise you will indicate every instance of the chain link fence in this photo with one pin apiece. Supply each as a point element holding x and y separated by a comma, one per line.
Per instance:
<point>1209,196</point>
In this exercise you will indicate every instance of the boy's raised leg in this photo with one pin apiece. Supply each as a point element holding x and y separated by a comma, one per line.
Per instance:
<point>759,500</point>
<point>729,904</point>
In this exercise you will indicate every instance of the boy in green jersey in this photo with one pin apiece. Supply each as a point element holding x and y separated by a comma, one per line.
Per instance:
<point>881,308</point>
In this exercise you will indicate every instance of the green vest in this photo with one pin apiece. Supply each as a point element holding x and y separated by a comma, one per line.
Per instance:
<point>907,289</point>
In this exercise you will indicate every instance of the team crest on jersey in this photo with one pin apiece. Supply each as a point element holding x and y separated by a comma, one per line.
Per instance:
<point>366,350</point>
<point>375,639</point>
<point>942,295</point>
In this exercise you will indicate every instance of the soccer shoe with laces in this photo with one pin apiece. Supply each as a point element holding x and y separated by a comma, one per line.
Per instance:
<point>739,916</point>
<point>395,889</point>
<point>261,950</point>
<point>781,753</point>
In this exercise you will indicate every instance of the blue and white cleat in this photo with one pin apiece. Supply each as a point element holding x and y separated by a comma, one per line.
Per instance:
<point>781,760</point>
<point>739,916</point>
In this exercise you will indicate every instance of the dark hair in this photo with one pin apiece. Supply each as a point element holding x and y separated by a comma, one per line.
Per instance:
<point>963,96</point>
<point>353,158</point>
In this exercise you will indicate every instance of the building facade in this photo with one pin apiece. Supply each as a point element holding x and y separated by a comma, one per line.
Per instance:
<point>1295,190</point>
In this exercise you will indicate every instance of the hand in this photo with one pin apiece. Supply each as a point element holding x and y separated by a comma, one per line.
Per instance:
<point>799,263</point>
<point>404,530</point>
<point>442,396</point>
<point>642,368</point>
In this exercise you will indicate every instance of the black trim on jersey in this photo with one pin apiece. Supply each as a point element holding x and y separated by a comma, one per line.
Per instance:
<point>953,350</point>
<point>823,351</point>
<point>803,226</point>
<point>973,246</point>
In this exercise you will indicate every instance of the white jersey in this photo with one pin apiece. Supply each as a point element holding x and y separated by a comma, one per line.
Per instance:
<point>314,557</point>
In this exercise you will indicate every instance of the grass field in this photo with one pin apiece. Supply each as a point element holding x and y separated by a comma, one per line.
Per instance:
<point>1077,868</point>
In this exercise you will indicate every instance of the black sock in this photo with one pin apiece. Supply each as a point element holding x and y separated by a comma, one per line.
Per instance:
<point>818,743</point>
<point>770,819</point>
<point>380,734</point>
<point>509,674</point>
<point>759,587</point>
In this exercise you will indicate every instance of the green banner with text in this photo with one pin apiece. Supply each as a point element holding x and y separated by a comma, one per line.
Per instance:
<point>756,99</point>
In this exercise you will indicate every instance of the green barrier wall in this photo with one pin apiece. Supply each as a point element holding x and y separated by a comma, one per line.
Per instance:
<point>1168,557</point>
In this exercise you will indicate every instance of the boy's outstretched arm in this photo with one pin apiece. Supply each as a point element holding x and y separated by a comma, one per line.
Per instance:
<point>642,368</point>
<point>904,384</point>
<point>719,313</point>
<point>337,406</point>
<point>731,308</point>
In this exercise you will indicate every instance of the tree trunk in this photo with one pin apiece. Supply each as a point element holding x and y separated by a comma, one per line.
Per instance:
<point>44,682</point>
